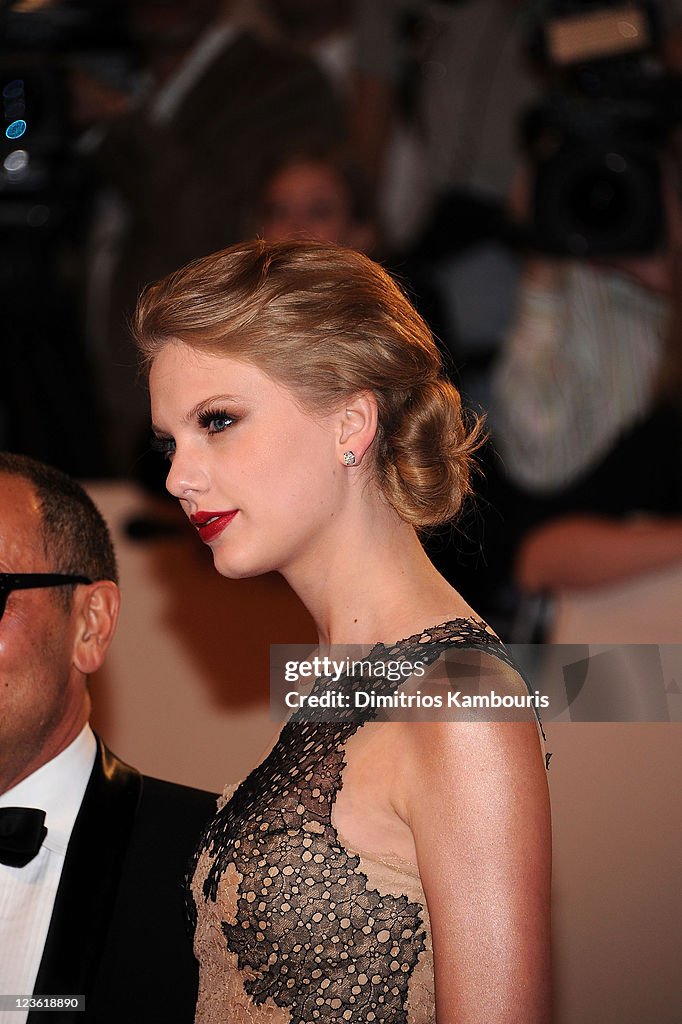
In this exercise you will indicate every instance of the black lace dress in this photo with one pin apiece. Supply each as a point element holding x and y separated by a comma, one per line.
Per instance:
<point>291,926</point>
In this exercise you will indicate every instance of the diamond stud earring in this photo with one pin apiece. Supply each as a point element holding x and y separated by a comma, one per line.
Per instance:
<point>349,459</point>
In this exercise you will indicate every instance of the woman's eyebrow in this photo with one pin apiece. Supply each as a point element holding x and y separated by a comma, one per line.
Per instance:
<point>206,403</point>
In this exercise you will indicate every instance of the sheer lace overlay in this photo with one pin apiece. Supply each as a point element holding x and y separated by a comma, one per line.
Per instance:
<point>291,926</point>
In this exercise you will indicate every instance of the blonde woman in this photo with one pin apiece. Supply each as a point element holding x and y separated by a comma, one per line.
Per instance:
<point>375,870</point>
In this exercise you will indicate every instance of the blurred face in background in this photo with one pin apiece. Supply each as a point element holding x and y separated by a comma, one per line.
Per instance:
<point>309,199</point>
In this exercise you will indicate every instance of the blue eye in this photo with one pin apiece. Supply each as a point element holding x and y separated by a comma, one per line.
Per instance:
<point>215,421</point>
<point>219,423</point>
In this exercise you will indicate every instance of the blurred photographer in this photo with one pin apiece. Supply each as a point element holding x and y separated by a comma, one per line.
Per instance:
<point>455,76</point>
<point>585,413</point>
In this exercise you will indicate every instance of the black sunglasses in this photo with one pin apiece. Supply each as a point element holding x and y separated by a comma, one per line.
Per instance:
<point>10,581</point>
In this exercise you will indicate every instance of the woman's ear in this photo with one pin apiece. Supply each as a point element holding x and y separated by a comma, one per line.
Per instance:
<point>96,614</point>
<point>357,427</point>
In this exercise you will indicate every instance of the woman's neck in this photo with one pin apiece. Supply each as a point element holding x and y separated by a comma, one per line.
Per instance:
<point>371,581</point>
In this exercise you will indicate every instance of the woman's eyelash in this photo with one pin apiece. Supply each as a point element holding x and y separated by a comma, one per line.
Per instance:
<point>216,420</point>
<point>164,445</point>
<point>213,420</point>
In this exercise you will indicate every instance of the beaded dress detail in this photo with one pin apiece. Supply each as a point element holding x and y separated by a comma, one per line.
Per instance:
<point>290,925</point>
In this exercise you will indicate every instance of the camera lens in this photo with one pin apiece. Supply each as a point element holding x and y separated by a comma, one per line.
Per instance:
<point>596,202</point>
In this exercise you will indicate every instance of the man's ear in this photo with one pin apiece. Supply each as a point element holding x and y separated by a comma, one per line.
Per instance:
<point>96,610</point>
<point>358,426</point>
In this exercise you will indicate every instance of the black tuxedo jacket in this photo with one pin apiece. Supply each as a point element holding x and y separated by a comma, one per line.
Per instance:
<point>118,932</point>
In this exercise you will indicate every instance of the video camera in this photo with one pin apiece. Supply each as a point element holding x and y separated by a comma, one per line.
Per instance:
<point>595,141</point>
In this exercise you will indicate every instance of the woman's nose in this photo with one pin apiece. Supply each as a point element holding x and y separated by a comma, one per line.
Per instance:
<point>185,476</point>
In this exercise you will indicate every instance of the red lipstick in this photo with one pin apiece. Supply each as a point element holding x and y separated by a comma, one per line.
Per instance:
<point>210,524</point>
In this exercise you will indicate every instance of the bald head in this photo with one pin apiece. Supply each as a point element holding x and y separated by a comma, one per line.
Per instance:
<point>49,643</point>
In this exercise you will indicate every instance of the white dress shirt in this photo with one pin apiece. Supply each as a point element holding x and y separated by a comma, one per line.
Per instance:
<point>27,894</point>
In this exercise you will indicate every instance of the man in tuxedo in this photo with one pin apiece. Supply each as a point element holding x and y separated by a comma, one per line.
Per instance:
<point>91,899</point>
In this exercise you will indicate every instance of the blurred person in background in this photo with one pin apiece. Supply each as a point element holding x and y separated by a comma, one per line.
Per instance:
<point>586,417</point>
<point>317,196</point>
<point>147,126</point>
<point>458,72</point>
<point>466,73</point>
<point>216,105</point>
<point>582,392</point>
<point>586,410</point>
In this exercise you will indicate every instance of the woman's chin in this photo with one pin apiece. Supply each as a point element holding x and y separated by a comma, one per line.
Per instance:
<point>238,569</point>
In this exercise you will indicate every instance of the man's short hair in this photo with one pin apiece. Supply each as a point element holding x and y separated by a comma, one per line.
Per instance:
<point>75,537</point>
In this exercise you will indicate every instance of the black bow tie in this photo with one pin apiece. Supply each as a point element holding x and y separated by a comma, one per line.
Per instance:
<point>21,834</point>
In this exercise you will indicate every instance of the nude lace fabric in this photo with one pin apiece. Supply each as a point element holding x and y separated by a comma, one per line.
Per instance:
<point>291,925</point>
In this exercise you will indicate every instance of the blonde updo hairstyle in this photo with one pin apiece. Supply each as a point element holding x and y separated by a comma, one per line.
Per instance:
<point>327,323</point>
